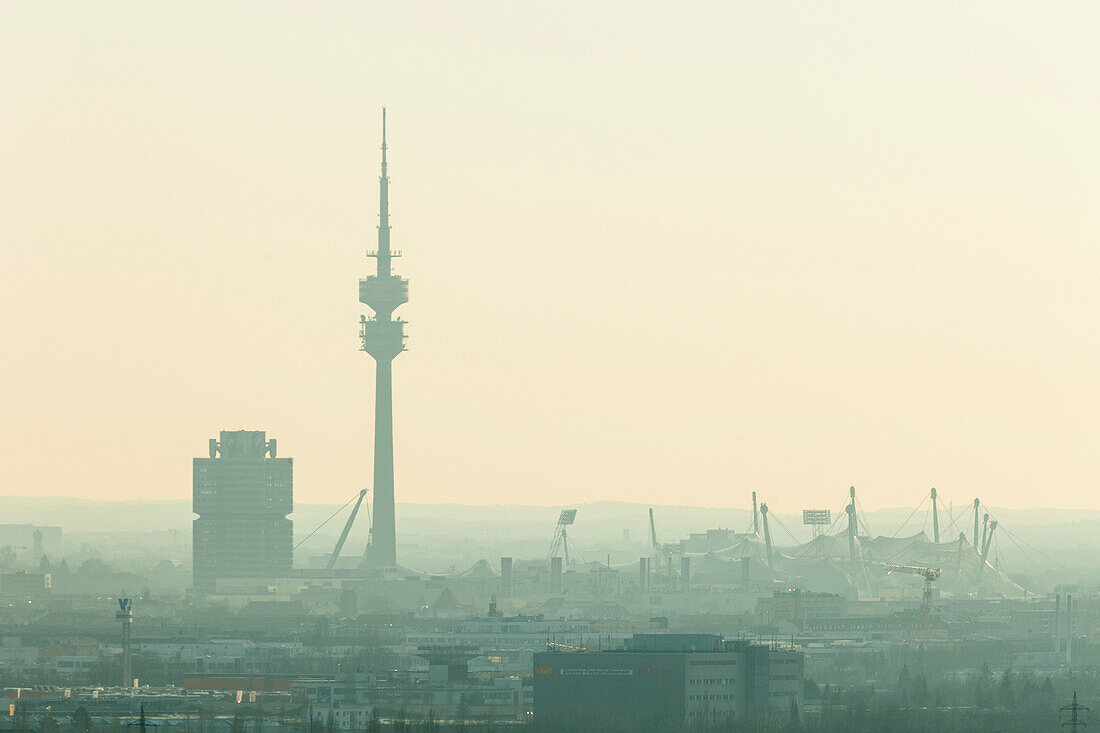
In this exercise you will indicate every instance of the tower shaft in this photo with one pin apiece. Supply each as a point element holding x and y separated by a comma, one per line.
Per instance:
<point>385,530</point>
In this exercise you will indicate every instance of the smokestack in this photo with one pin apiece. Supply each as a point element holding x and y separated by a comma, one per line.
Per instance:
<point>556,584</point>
<point>643,574</point>
<point>506,577</point>
<point>1069,630</point>
<point>1057,625</point>
<point>125,614</point>
<point>685,573</point>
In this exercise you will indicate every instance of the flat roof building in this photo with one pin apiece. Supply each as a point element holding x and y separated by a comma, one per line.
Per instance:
<point>242,494</point>
<point>665,681</point>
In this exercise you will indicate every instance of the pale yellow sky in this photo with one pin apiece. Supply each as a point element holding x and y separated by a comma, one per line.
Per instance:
<point>666,253</point>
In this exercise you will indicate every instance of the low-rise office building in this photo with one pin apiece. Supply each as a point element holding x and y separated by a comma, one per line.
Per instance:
<point>666,679</point>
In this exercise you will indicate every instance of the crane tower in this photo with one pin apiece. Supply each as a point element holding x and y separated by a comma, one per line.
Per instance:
<point>930,575</point>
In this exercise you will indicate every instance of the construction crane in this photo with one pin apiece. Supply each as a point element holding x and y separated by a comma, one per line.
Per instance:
<point>929,575</point>
<point>347,528</point>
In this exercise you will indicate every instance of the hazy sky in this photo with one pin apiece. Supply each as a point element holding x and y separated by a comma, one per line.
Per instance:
<point>664,253</point>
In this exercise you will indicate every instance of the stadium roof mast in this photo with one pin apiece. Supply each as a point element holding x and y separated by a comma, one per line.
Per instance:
<point>755,523</point>
<point>985,549</point>
<point>852,557</point>
<point>767,535</point>
<point>344,535</point>
<point>935,518</point>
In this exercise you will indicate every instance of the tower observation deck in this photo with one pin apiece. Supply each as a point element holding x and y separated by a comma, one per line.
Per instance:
<point>383,337</point>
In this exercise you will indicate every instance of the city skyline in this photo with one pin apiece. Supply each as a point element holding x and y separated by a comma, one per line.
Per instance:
<point>758,256</point>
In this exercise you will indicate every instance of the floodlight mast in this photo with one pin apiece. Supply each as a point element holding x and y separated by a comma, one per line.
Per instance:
<point>560,539</point>
<point>816,520</point>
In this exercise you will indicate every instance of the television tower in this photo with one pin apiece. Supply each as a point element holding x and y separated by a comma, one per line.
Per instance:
<point>383,338</point>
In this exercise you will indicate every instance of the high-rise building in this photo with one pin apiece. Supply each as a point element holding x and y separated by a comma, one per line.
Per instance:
<point>383,337</point>
<point>242,494</point>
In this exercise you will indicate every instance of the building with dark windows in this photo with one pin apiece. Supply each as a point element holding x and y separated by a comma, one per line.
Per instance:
<point>666,681</point>
<point>242,494</point>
